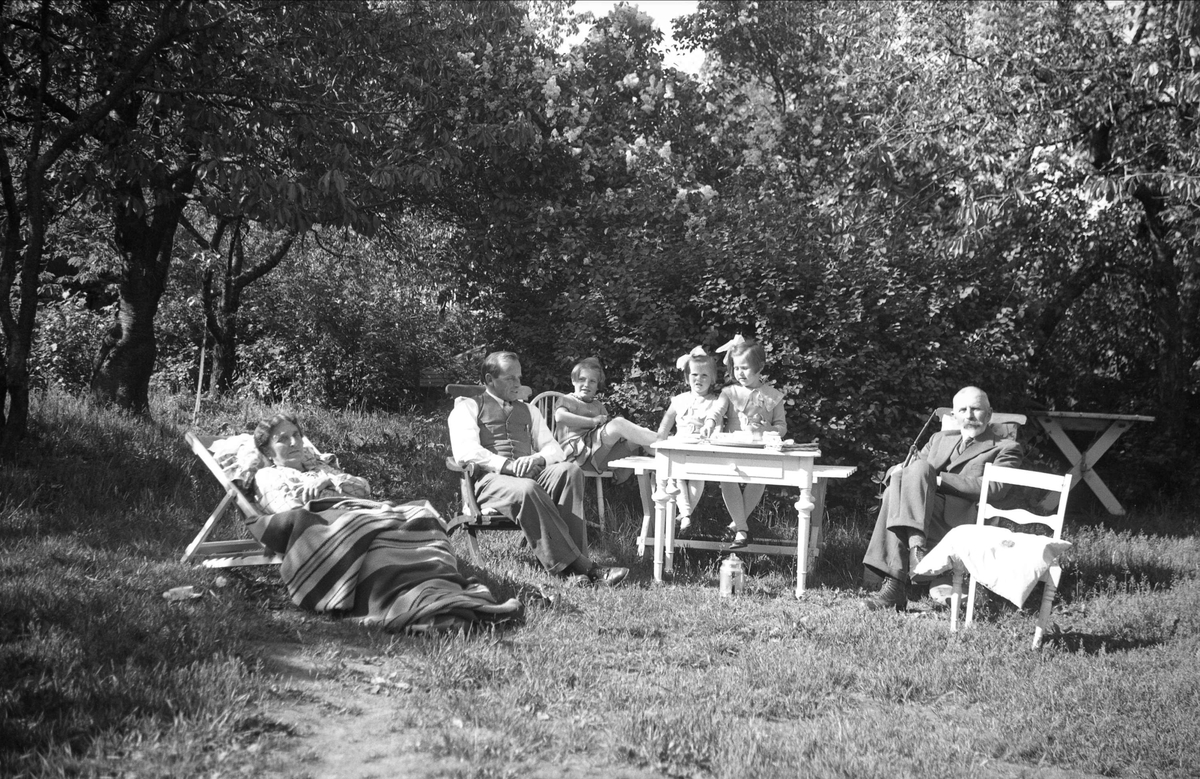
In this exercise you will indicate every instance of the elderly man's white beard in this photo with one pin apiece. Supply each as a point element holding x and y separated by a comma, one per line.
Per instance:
<point>971,430</point>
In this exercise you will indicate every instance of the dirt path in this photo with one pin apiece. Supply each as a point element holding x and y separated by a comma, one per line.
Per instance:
<point>342,719</point>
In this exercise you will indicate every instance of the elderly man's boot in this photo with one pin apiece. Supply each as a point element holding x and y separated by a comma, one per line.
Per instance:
<point>890,596</point>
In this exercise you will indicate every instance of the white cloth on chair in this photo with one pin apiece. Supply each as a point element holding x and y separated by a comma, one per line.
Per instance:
<point>239,458</point>
<point>1007,563</point>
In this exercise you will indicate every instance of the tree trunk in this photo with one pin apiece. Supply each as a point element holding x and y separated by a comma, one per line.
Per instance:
<point>126,360</point>
<point>18,329</point>
<point>224,360</point>
<point>221,312</point>
<point>16,389</point>
<point>123,368</point>
<point>221,323</point>
<point>1174,357</point>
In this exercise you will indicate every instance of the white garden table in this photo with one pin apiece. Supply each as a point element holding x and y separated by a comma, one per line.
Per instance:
<point>677,459</point>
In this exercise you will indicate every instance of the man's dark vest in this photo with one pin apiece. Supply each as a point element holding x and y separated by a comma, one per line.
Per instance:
<point>508,435</point>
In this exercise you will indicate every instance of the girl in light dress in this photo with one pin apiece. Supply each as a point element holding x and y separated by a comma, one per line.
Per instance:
<point>750,404</point>
<point>686,415</point>
<point>587,434</point>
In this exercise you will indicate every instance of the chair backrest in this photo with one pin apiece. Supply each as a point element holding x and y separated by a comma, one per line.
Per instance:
<point>1003,425</point>
<point>545,403</point>
<point>475,390</point>
<point>996,474</point>
<point>464,390</point>
<point>201,447</point>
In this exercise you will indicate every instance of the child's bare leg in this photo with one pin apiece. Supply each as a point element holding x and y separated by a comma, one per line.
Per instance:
<point>751,496</point>
<point>689,496</point>
<point>731,492</point>
<point>620,428</point>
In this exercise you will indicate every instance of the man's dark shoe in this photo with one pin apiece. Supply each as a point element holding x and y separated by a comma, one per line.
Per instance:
<point>605,576</point>
<point>577,580</point>
<point>890,596</point>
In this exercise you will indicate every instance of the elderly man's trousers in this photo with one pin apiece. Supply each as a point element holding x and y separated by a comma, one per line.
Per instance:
<point>911,503</point>
<point>545,508</point>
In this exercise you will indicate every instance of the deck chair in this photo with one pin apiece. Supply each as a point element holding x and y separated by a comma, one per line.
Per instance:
<point>1047,559</point>
<point>474,518</point>
<point>545,403</point>
<point>232,553</point>
<point>1003,425</point>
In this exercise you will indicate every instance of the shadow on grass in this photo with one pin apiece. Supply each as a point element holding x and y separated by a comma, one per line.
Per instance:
<point>1097,643</point>
<point>1080,580</point>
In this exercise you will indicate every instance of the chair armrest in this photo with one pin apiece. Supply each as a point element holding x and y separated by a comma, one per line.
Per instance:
<point>457,522</point>
<point>466,485</point>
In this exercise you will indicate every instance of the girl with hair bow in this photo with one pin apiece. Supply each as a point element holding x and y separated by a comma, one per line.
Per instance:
<point>686,414</point>
<point>750,404</point>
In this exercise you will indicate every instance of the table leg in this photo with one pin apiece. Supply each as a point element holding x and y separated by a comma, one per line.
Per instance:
<point>1082,463</point>
<point>645,491</point>
<point>956,593</point>
<point>804,507</point>
<point>660,518</point>
<point>672,490</point>
<point>817,541</point>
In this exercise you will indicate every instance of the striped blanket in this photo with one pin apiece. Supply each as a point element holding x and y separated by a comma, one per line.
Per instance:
<point>386,564</point>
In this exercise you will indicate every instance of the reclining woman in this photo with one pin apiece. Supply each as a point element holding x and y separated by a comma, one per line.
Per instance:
<point>386,564</point>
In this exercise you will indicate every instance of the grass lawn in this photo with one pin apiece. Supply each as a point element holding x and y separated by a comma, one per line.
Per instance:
<point>102,676</point>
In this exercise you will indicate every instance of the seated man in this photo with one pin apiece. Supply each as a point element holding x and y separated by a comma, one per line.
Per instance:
<point>525,471</point>
<point>935,492</point>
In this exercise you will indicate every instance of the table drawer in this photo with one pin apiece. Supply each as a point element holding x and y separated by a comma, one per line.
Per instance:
<point>723,469</point>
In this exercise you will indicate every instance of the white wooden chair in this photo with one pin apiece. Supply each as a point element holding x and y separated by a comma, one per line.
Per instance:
<point>1003,426</point>
<point>995,474</point>
<point>232,553</point>
<point>545,403</point>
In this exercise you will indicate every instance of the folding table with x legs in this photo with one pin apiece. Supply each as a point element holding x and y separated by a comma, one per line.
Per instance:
<point>1109,426</point>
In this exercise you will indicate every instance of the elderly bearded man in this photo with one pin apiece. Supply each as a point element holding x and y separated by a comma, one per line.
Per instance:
<point>525,473</point>
<point>938,490</point>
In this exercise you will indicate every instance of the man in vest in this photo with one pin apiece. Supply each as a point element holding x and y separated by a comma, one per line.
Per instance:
<point>526,475</point>
<point>938,490</point>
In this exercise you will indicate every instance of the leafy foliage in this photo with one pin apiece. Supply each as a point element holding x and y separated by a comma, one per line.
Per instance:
<point>896,198</point>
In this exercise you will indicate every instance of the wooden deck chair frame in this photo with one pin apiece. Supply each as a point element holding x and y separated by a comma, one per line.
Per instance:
<point>474,519</point>
<point>545,403</point>
<point>946,415</point>
<point>225,554</point>
<point>997,474</point>
<point>1003,425</point>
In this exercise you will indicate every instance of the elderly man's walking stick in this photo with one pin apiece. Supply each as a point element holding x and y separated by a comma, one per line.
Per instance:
<point>912,450</point>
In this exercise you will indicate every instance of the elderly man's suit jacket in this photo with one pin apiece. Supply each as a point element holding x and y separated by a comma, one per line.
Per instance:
<point>962,473</point>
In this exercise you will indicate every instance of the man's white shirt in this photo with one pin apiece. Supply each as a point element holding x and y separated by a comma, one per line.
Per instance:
<point>464,436</point>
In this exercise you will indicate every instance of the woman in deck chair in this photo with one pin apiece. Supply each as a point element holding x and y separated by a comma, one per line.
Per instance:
<point>387,564</point>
